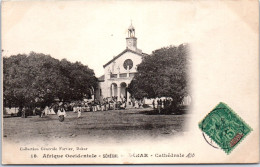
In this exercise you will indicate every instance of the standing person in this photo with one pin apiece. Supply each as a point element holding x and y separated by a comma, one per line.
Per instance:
<point>102,106</point>
<point>153,104</point>
<point>23,112</point>
<point>159,105</point>
<point>88,107</point>
<point>74,107</point>
<point>79,110</point>
<point>163,103</point>
<point>61,112</point>
<point>167,103</point>
<point>82,107</point>
<point>107,104</point>
<point>93,106</point>
<point>98,105</point>
<point>136,104</point>
<point>45,111</point>
<point>115,105</point>
<point>139,104</point>
<point>133,102</point>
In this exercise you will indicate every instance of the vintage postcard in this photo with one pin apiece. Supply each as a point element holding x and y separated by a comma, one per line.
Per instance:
<point>130,82</point>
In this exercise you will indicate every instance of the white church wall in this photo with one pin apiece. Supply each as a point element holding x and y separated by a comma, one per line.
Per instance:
<point>113,67</point>
<point>117,68</point>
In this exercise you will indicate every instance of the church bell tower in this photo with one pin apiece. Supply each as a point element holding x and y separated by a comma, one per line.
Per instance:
<point>131,40</point>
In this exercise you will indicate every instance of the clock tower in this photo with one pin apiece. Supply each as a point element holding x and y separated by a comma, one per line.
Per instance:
<point>131,40</point>
<point>119,71</point>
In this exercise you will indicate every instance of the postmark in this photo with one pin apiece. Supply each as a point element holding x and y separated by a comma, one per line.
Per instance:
<point>225,127</point>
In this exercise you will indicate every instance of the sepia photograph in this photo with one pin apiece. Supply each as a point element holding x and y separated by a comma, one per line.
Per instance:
<point>135,94</point>
<point>126,82</point>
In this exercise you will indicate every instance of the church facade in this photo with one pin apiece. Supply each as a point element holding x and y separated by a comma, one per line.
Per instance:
<point>120,70</point>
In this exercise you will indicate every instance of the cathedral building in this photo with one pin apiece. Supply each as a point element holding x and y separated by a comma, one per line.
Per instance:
<point>119,71</point>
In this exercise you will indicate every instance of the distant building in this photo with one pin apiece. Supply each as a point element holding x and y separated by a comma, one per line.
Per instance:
<point>119,71</point>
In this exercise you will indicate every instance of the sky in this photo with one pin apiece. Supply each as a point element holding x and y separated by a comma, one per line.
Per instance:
<point>92,32</point>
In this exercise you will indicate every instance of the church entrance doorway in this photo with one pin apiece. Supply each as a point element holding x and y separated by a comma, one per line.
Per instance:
<point>123,90</point>
<point>113,90</point>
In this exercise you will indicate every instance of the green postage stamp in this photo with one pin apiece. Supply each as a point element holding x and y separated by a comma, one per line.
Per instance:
<point>224,127</point>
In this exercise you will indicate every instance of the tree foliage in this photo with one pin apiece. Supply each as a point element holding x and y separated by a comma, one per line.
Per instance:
<point>163,74</point>
<point>39,79</point>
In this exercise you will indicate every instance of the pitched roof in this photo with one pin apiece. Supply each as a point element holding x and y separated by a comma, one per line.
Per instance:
<point>145,54</point>
<point>126,50</point>
<point>101,78</point>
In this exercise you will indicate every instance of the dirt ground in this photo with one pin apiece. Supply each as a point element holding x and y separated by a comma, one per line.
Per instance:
<point>116,125</point>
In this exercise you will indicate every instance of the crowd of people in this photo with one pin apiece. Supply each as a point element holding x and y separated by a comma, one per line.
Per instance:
<point>160,104</point>
<point>112,103</point>
<point>96,105</point>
